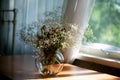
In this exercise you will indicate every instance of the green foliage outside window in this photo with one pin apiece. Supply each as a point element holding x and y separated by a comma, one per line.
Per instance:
<point>105,21</point>
<point>89,35</point>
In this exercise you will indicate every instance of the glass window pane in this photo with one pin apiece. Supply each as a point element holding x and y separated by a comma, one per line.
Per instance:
<point>105,22</point>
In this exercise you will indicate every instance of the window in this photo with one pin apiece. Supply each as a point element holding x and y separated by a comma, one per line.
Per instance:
<point>105,21</point>
<point>105,24</point>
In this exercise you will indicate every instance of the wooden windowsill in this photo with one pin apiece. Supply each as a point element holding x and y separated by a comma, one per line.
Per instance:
<point>99,60</point>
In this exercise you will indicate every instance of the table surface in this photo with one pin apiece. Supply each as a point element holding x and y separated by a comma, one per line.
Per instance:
<point>22,67</point>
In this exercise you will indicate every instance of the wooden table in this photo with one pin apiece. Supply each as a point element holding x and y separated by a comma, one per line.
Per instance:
<point>23,68</point>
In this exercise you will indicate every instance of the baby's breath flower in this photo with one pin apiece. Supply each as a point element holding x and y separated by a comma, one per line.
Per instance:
<point>49,35</point>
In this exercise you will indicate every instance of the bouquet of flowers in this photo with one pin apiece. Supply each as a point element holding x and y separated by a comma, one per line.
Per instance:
<point>50,35</point>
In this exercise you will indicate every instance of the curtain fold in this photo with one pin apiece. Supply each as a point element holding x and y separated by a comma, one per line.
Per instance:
<point>77,12</point>
<point>6,26</point>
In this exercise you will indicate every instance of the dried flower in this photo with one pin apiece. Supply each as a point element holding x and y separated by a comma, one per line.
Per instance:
<point>49,35</point>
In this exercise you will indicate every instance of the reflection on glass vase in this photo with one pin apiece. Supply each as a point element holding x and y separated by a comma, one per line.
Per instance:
<point>49,65</point>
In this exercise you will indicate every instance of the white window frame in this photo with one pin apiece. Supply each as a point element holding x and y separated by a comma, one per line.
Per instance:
<point>99,53</point>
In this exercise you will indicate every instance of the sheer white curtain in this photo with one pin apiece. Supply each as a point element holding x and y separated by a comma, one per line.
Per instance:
<point>76,11</point>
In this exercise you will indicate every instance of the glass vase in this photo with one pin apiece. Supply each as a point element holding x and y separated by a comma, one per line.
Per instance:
<point>49,66</point>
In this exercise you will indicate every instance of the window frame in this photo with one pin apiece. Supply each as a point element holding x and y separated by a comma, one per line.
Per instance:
<point>100,55</point>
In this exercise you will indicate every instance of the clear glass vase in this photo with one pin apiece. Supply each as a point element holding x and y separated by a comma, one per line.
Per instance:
<point>49,66</point>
